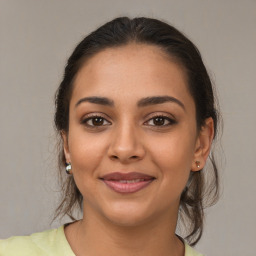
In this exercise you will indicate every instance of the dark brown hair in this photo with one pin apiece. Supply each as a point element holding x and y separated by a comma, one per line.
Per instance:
<point>203,186</point>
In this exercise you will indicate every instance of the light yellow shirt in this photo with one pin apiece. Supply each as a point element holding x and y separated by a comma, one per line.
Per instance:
<point>48,243</point>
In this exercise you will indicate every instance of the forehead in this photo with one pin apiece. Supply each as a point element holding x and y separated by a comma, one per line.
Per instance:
<point>132,71</point>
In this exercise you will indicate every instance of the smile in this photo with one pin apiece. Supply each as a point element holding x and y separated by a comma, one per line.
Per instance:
<point>127,182</point>
<point>127,186</point>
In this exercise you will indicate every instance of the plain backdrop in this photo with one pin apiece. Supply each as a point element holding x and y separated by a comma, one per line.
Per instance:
<point>36,38</point>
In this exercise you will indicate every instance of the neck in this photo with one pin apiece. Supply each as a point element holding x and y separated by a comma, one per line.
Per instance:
<point>94,235</point>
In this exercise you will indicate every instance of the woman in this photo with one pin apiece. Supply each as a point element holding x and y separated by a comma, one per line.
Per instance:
<point>136,115</point>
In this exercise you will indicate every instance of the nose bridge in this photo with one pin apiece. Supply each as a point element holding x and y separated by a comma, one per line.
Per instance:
<point>125,142</point>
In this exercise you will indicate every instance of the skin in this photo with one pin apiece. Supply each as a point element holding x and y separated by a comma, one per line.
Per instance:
<point>129,139</point>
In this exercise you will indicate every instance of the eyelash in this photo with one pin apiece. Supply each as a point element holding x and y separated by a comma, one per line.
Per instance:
<point>166,118</point>
<point>171,121</point>
<point>90,118</point>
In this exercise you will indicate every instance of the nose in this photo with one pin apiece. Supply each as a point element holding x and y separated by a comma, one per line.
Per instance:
<point>126,145</point>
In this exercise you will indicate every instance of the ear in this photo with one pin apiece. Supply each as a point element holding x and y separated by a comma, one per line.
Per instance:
<point>64,136</point>
<point>203,145</point>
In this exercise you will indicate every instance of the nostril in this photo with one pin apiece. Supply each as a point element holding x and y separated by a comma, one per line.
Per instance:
<point>114,157</point>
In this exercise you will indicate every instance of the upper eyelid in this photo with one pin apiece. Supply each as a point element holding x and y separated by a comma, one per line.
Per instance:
<point>85,120</point>
<point>92,115</point>
<point>160,113</point>
<point>171,120</point>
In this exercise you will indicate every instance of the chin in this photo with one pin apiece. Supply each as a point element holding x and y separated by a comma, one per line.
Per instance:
<point>127,220</point>
<point>127,216</point>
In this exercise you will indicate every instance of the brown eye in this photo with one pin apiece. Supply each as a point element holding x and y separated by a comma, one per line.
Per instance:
<point>158,120</point>
<point>161,121</point>
<point>95,121</point>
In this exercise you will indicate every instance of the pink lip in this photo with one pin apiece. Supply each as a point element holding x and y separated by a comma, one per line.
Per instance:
<point>126,176</point>
<point>117,181</point>
<point>127,187</point>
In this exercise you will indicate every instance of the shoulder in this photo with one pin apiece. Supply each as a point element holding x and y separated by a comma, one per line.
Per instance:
<point>50,242</point>
<point>189,251</point>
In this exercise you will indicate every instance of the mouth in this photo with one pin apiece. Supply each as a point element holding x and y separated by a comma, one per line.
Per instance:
<point>127,182</point>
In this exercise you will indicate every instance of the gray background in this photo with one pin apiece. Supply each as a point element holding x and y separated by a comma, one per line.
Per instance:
<point>36,37</point>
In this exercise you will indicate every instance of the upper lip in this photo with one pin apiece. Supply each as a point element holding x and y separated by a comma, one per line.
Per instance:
<point>126,176</point>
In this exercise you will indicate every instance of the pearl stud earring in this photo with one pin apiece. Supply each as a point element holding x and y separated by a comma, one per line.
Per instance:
<point>68,168</point>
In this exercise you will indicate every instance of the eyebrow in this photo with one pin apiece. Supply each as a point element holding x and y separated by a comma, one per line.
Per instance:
<point>148,101</point>
<point>97,100</point>
<point>158,100</point>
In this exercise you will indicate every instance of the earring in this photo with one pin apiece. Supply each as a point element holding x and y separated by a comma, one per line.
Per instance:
<point>197,164</point>
<point>68,168</point>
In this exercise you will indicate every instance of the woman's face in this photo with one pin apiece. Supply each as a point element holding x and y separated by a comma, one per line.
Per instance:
<point>131,112</point>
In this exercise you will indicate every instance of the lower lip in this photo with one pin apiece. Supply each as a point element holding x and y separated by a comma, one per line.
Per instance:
<point>127,187</point>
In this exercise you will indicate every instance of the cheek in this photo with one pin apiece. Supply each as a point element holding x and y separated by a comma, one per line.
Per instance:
<point>85,161</point>
<point>86,153</point>
<point>174,150</point>
<point>173,156</point>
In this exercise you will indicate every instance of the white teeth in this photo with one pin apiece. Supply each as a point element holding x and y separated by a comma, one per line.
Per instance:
<point>130,181</point>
